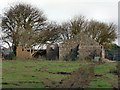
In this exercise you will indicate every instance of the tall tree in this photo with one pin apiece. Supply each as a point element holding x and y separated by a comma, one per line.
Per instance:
<point>50,33</point>
<point>77,25</point>
<point>103,33</point>
<point>73,27</point>
<point>21,23</point>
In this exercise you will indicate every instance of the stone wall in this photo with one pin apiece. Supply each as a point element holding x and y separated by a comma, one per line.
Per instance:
<point>87,46</point>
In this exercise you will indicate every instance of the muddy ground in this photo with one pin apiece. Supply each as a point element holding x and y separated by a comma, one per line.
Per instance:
<point>77,79</point>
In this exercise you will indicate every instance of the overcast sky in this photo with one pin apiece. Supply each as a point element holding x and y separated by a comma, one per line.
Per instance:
<point>62,10</point>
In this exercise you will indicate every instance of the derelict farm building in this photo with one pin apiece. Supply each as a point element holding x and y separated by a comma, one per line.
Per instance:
<point>79,47</point>
<point>87,47</point>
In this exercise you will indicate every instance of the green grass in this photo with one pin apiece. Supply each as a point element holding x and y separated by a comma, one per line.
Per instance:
<point>107,79</point>
<point>32,73</point>
<point>100,83</point>
<point>105,68</point>
<point>37,74</point>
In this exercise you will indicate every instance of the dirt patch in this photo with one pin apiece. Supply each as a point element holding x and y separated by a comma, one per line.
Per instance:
<point>28,82</point>
<point>5,83</point>
<point>115,72</point>
<point>98,75</point>
<point>46,70</point>
<point>62,73</point>
<point>77,79</point>
<point>48,83</point>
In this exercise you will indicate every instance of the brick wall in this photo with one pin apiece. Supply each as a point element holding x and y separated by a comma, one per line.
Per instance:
<point>23,53</point>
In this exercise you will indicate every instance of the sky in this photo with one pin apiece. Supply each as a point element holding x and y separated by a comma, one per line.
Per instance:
<point>62,10</point>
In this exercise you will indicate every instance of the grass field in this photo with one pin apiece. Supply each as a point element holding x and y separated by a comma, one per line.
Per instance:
<point>105,76</point>
<point>40,74</point>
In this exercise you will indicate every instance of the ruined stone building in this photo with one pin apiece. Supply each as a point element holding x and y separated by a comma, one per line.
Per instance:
<point>51,52</point>
<point>87,47</point>
<point>79,47</point>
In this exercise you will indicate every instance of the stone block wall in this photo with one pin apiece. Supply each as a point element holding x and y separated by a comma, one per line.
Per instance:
<point>86,47</point>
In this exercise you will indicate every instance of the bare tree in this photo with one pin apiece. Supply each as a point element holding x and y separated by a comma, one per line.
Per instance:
<point>65,31</point>
<point>52,32</point>
<point>77,25</point>
<point>73,27</point>
<point>103,33</point>
<point>21,23</point>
